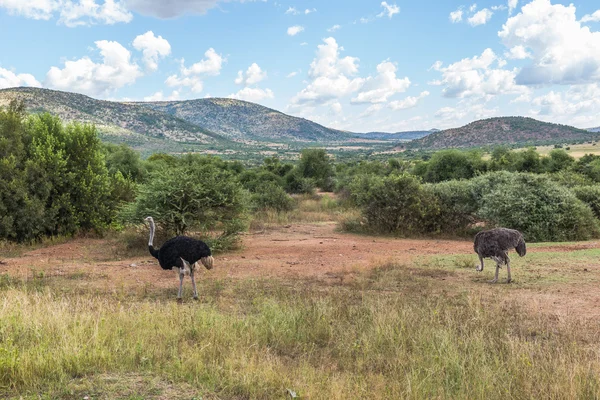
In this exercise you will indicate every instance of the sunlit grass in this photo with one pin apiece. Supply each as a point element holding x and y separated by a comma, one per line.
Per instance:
<point>386,334</point>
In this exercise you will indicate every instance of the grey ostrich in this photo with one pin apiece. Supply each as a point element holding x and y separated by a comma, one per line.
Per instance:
<point>183,253</point>
<point>495,244</point>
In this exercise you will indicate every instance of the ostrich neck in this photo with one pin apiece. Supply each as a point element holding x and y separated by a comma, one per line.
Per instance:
<point>151,239</point>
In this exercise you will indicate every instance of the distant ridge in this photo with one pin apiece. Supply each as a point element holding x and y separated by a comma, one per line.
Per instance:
<point>242,120</point>
<point>406,135</point>
<point>110,117</point>
<point>502,131</point>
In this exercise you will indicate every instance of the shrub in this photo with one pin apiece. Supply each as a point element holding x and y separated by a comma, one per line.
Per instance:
<point>452,164</point>
<point>315,164</point>
<point>457,206</point>
<point>590,195</point>
<point>538,207</point>
<point>269,196</point>
<point>397,204</point>
<point>298,184</point>
<point>192,196</point>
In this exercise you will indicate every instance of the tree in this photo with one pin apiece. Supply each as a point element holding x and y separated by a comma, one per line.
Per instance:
<point>315,164</point>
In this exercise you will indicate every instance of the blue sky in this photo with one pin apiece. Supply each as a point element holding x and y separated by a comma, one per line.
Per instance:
<point>361,65</point>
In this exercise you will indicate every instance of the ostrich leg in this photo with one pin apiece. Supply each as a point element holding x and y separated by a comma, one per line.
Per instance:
<point>194,282</point>
<point>509,280</point>
<point>180,293</point>
<point>497,270</point>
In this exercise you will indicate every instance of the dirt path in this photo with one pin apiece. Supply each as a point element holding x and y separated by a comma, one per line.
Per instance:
<point>296,251</point>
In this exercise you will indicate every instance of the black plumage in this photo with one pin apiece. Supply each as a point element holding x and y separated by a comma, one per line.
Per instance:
<point>183,253</point>
<point>495,244</point>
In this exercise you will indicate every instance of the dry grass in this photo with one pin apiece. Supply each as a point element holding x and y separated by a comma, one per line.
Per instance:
<point>390,333</point>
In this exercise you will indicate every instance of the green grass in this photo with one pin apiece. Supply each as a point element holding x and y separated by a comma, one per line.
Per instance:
<point>391,333</point>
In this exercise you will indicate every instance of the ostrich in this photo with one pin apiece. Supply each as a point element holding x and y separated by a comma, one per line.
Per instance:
<point>183,253</point>
<point>495,244</point>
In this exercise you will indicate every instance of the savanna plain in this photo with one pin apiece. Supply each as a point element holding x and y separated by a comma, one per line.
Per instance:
<point>300,310</point>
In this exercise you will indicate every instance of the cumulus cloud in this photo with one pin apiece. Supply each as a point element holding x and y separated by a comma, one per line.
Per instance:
<point>456,16</point>
<point>481,17</point>
<point>70,13</point>
<point>512,4</point>
<point>294,30</point>
<point>191,77</point>
<point>250,79</point>
<point>389,10</point>
<point>476,77</point>
<point>210,65</point>
<point>595,17</point>
<point>253,75</point>
<point>408,102</point>
<point>517,53</point>
<point>159,96</point>
<point>252,94</point>
<point>97,79</point>
<point>580,99</point>
<point>331,76</point>
<point>10,79</point>
<point>152,48</point>
<point>562,50</point>
<point>380,88</point>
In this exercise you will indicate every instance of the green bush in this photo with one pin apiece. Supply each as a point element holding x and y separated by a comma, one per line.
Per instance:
<point>397,204</point>
<point>297,184</point>
<point>53,178</point>
<point>451,164</point>
<point>316,165</point>
<point>195,196</point>
<point>457,206</point>
<point>590,195</point>
<point>270,196</point>
<point>541,209</point>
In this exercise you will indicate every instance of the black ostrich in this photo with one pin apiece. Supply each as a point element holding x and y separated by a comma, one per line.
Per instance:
<point>495,244</point>
<point>183,253</point>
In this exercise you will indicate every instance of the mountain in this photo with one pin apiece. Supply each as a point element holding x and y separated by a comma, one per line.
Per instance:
<point>504,130</point>
<point>243,121</point>
<point>594,129</point>
<point>132,122</point>
<point>407,135</point>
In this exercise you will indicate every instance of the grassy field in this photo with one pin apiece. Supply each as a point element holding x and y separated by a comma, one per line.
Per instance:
<point>423,327</point>
<point>575,150</point>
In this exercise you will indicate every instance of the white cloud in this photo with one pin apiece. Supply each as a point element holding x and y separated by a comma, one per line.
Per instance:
<point>10,79</point>
<point>517,53</point>
<point>253,75</point>
<point>96,79</point>
<point>193,82</point>
<point>595,17</point>
<point>408,102</point>
<point>294,30</point>
<point>292,10</point>
<point>152,48</point>
<point>292,74</point>
<point>383,86</point>
<point>332,77</point>
<point>512,4</point>
<point>252,94</point>
<point>308,11</point>
<point>580,99</point>
<point>210,65</point>
<point>192,77</point>
<point>456,16</point>
<point>388,9</point>
<point>175,8</point>
<point>475,77</point>
<point>159,96</point>
<point>70,13</point>
<point>334,28</point>
<point>563,51</point>
<point>371,110</point>
<point>480,17</point>
<point>304,44</point>
<point>473,8</point>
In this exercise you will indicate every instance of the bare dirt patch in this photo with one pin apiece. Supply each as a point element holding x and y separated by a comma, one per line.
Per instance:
<point>319,252</point>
